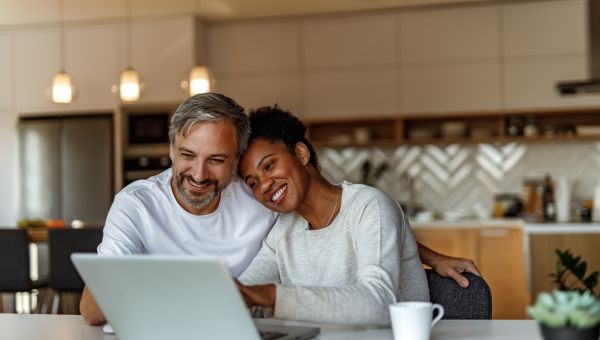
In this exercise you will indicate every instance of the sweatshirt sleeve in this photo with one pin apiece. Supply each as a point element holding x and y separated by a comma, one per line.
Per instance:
<point>378,232</point>
<point>264,268</point>
<point>122,233</point>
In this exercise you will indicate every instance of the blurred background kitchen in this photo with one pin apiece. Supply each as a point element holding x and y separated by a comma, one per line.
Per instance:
<point>452,107</point>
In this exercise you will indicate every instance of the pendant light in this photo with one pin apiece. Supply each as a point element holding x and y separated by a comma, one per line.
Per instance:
<point>199,80</point>
<point>62,87</point>
<point>129,88</point>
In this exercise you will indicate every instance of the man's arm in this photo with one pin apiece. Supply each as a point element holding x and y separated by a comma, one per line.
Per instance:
<point>448,266</point>
<point>90,310</point>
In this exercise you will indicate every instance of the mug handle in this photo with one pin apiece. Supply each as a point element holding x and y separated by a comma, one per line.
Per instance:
<point>440,315</point>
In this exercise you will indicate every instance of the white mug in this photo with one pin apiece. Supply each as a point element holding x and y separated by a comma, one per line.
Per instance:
<point>413,320</point>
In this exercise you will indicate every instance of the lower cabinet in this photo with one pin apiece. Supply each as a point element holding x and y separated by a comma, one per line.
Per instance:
<point>499,255</point>
<point>543,256</point>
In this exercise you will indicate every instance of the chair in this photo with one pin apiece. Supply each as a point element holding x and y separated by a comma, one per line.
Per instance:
<point>474,302</point>
<point>64,278</point>
<point>15,265</point>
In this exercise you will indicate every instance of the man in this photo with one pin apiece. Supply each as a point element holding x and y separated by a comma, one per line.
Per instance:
<point>199,206</point>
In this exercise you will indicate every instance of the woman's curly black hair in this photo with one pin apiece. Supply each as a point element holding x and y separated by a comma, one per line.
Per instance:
<point>275,125</point>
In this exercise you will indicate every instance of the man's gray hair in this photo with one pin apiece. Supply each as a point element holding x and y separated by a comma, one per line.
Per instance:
<point>210,107</point>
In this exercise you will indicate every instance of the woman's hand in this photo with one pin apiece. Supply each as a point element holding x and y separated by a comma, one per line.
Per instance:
<point>453,267</point>
<point>448,266</point>
<point>260,295</point>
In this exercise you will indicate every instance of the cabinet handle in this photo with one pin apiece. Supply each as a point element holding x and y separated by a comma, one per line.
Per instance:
<point>494,232</point>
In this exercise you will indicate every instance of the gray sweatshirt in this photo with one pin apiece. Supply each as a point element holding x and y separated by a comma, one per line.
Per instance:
<point>348,272</point>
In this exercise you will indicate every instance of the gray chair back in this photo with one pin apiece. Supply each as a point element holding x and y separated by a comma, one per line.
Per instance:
<point>474,302</point>
<point>14,261</point>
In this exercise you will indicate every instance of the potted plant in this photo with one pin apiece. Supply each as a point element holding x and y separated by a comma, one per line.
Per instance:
<point>572,311</point>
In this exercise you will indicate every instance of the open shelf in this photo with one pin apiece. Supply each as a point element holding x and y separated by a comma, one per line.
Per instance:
<point>488,127</point>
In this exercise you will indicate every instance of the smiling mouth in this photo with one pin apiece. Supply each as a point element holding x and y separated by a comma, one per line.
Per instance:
<point>200,186</point>
<point>278,194</point>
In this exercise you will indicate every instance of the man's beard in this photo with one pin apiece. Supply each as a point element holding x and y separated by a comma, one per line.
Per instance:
<point>202,202</point>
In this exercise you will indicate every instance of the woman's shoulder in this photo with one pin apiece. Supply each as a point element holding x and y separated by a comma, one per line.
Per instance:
<point>284,225</point>
<point>361,194</point>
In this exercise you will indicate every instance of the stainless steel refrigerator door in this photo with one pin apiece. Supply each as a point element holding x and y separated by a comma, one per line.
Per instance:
<point>66,166</point>
<point>40,169</point>
<point>86,162</point>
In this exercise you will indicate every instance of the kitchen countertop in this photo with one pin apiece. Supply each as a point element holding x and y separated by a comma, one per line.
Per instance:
<point>528,227</point>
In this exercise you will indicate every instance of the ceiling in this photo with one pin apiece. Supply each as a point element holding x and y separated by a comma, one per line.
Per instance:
<point>25,12</point>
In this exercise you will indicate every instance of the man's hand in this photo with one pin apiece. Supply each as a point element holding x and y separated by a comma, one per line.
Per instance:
<point>448,266</point>
<point>261,295</point>
<point>89,309</point>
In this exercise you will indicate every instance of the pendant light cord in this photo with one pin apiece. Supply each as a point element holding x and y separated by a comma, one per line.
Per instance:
<point>129,40</point>
<point>62,36</point>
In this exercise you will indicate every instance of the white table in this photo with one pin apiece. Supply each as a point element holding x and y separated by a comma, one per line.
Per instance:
<point>72,327</point>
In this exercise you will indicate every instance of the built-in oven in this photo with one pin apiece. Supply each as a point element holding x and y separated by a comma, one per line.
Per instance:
<point>145,141</point>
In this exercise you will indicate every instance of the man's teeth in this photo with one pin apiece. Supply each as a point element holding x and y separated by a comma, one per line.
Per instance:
<point>278,193</point>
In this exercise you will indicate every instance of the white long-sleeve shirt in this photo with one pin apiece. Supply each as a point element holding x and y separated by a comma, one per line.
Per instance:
<point>348,272</point>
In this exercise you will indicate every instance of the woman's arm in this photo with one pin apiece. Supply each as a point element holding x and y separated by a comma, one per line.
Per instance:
<point>448,266</point>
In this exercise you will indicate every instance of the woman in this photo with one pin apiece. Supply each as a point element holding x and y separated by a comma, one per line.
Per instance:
<point>338,253</point>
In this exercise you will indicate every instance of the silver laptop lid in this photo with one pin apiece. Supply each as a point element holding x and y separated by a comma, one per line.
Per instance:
<point>150,297</point>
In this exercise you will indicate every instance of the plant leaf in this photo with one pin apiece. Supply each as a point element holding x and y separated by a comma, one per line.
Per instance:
<point>591,281</point>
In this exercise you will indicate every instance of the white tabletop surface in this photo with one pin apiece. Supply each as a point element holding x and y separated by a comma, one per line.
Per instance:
<point>72,327</point>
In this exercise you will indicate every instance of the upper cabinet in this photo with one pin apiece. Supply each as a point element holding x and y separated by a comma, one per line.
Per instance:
<point>544,43</point>
<point>448,35</point>
<point>163,52</point>
<point>6,88</point>
<point>544,28</point>
<point>449,61</point>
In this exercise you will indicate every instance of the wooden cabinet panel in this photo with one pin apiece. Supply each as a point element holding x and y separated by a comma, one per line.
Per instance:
<point>497,252</point>
<point>451,87</point>
<point>163,54</point>
<point>463,34</point>
<point>531,83</point>
<point>251,47</point>
<point>453,242</point>
<point>501,262</point>
<point>357,93</point>
<point>6,80</point>
<point>348,41</point>
<point>543,257</point>
<point>252,91</point>
<point>544,27</point>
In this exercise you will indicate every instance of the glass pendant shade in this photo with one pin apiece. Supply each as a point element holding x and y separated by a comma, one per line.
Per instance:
<point>129,89</point>
<point>199,80</point>
<point>62,89</point>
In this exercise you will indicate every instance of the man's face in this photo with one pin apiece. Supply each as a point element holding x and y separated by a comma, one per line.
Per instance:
<point>204,162</point>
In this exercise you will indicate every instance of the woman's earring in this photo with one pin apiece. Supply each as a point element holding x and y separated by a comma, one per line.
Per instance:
<point>304,162</point>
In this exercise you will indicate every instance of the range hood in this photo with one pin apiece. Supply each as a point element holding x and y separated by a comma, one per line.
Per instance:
<point>571,87</point>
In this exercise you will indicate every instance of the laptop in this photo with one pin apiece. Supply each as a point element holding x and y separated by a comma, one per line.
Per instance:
<point>149,297</point>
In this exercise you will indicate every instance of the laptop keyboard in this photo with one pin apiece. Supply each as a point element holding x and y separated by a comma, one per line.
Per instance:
<point>271,335</point>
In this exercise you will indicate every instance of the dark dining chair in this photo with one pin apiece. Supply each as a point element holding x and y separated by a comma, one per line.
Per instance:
<point>64,278</point>
<point>15,267</point>
<point>473,302</point>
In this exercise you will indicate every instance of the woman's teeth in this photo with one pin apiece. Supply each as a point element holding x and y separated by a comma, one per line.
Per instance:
<point>278,194</point>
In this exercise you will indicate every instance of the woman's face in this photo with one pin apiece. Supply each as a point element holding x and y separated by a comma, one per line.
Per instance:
<point>276,176</point>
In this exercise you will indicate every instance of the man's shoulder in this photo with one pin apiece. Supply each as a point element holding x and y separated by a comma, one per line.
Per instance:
<point>152,188</point>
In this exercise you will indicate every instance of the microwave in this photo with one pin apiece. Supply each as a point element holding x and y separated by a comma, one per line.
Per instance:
<point>146,132</point>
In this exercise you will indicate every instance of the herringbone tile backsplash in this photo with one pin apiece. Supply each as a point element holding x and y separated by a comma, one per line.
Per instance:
<point>464,178</point>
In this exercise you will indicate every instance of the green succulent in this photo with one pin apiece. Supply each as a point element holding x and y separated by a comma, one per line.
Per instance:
<point>563,309</point>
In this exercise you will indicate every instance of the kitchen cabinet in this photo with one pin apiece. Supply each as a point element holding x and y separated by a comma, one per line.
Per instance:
<point>100,44</point>
<point>163,52</point>
<point>6,81</point>
<point>448,35</point>
<point>37,59</point>
<point>498,252</point>
<point>543,256</point>
<point>544,28</point>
